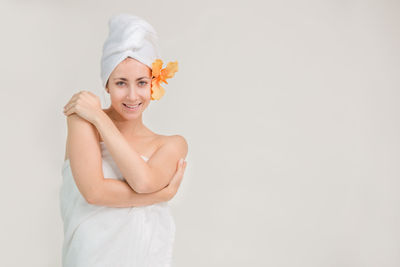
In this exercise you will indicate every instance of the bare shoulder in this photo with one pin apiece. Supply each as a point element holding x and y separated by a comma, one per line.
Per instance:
<point>78,125</point>
<point>175,142</point>
<point>81,134</point>
<point>179,139</point>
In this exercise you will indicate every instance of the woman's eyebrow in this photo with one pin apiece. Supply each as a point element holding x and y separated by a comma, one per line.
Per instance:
<point>144,77</point>
<point>124,79</point>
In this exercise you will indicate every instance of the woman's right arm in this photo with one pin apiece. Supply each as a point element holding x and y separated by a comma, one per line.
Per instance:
<point>86,166</point>
<point>117,193</point>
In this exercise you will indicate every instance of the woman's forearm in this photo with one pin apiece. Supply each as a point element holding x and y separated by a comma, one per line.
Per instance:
<point>132,166</point>
<point>118,194</point>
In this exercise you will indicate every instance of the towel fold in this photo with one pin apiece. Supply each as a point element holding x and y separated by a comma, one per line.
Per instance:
<point>129,36</point>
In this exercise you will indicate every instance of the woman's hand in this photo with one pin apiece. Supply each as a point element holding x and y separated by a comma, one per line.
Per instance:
<point>85,104</point>
<point>172,188</point>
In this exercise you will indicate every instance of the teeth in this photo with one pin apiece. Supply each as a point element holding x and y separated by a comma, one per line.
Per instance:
<point>132,106</point>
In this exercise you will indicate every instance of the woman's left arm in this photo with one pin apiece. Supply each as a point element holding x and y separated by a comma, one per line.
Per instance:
<point>142,176</point>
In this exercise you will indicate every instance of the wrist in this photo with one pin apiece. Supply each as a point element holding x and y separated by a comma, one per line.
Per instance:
<point>100,118</point>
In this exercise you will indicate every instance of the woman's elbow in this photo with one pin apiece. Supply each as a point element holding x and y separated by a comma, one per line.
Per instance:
<point>150,188</point>
<point>143,189</point>
<point>139,188</point>
<point>91,198</point>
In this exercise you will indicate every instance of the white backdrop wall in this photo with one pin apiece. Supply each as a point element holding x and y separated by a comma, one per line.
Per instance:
<point>290,108</point>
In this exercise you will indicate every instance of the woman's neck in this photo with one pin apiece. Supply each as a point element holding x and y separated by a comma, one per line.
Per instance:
<point>129,128</point>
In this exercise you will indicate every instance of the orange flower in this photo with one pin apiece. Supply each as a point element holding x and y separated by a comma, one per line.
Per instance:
<point>160,75</point>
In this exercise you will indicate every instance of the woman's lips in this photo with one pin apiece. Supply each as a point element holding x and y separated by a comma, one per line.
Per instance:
<point>133,109</point>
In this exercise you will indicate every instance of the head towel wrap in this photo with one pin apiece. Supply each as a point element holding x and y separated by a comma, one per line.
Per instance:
<point>129,36</point>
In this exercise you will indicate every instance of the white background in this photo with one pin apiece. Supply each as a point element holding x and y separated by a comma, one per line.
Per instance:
<point>290,108</point>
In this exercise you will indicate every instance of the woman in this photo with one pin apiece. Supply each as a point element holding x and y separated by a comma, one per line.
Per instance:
<point>118,175</point>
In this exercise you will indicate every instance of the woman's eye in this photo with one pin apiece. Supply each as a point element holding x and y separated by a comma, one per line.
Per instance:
<point>142,83</point>
<point>118,83</point>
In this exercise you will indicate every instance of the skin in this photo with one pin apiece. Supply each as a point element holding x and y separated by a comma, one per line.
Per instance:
<point>127,138</point>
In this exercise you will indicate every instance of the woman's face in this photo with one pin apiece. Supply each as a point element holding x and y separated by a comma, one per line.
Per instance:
<point>129,85</point>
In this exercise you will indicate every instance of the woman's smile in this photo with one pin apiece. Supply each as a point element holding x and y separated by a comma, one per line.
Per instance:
<point>132,108</point>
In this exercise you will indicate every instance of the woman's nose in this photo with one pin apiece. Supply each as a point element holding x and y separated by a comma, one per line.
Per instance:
<point>132,94</point>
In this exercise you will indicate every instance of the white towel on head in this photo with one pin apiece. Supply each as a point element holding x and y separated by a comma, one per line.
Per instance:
<point>129,36</point>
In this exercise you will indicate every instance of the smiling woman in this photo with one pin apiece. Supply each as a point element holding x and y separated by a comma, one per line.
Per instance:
<point>129,88</point>
<point>118,174</point>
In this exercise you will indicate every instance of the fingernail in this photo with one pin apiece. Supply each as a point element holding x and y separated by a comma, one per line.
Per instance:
<point>181,161</point>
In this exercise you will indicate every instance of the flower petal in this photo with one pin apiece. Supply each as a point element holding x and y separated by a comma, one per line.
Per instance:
<point>160,76</point>
<point>156,67</point>
<point>171,68</point>
<point>157,92</point>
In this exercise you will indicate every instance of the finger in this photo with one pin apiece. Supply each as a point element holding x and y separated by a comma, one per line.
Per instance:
<point>73,109</point>
<point>76,100</point>
<point>179,180</point>
<point>71,104</point>
<point>179,169</point>
<point>72,100</point>
<point>177,177</point>
<point>66,105</point>
<point>93,95</point>
<point>74,96</point>
<point>69,107</point>
<point>179,173</point>
<point>176,181</point>
<point>69,111</point>
<point>183,166</point>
